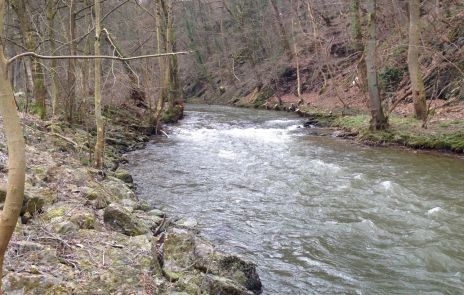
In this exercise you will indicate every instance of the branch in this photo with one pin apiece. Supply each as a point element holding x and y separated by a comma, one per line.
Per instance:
<point>39,56</point>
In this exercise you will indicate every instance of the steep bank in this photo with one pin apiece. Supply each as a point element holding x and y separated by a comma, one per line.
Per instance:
<point>84,231</point>
<point>324,78</point>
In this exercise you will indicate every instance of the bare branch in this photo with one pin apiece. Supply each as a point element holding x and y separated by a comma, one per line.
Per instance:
<point>39,56</point>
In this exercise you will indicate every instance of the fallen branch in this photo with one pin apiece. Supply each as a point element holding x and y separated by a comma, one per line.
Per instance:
<point>39,56</point>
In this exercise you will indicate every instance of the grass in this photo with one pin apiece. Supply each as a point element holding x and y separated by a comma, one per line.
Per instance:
<point>407,131</point>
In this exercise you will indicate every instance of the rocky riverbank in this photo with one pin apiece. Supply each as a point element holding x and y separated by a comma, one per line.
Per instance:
<point>84,231</point>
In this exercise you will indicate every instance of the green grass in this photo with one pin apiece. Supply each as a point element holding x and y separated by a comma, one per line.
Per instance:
<point>407,131</point>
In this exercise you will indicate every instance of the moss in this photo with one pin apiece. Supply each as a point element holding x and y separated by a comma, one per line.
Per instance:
<point>172,114</point>
<point>54,213</point>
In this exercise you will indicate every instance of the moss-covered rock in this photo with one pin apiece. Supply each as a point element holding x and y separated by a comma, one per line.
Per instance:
<point>122,220</point>
<point>183,250</point>
<point>84,219</point>
<point>123,175</point>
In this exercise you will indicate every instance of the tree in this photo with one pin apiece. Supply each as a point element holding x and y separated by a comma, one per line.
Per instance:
<point>28,34</point>
<point>100,143</point>
<point>16,153</point>
<point>417,83</point>
<point>378,119</point>
<point>357,42</point>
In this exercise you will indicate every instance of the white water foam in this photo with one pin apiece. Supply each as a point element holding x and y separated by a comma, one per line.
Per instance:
<point>320,166</point>
<point>272,135</point>
<point>434,210</point>
<point>229,155</point>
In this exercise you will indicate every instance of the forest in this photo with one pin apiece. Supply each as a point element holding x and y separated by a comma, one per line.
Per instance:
<point>155,146</point>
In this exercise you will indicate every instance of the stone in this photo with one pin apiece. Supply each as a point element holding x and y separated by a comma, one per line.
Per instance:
<point>143,206</point>
<point>33,283</point>
<point>31,204</point>
<point>226,273</point>
<point>156,212</point>
<point>65,227</point>
<point>84,219</point>
<point>187,223</point>
<point>122,220</point>
<point>123,175</point>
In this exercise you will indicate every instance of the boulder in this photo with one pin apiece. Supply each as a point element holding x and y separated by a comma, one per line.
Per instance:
<point>122,220</point>
<point>223,274</point>
<point>123,175</point>
<point>84,219</point>
<point>31,204</point>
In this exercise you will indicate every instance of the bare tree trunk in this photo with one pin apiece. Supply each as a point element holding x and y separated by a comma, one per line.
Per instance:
<point>417,83</point>
<point>378,119</point>
<point>16,154</point>
<point>100,144</point>
<point>71,101</point>
<point>164,65</point>
<point>51,12</point>
<point>358,43</point>
<point>27,32</point>
<point>283,33</point>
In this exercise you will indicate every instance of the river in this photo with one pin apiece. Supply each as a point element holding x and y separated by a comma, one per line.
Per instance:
<point>318,215</point>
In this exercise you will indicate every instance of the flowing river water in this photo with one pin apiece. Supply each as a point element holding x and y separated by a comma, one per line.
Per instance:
<point>318,215</point>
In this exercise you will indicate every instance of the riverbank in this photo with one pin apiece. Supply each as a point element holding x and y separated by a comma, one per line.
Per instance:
<point>444,132</point>
<point>84,231</point>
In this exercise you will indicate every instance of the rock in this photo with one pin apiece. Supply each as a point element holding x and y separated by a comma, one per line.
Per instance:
<point>187,223</point>
<point>234,267</point>
<point>156,212</point>
<point>117,189</point>
<point>121,219</point>
<point>31,205</point>
<point>123,175</point>
<point>225,273</point>
<point>143,206</point>
<point>84,219</point>
<point>65,227</point>
<point>33,283</point>
<point>339,133</point>
<point>90,194</point>
<point>26,246</point>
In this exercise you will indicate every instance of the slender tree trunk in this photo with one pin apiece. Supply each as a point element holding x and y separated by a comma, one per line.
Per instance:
<point>71,101</point>
<point>16,154</point>
<point>283,33</point>
<point>378,119</point>
<point>100,144</point>
<point>417,83</point>
<point>161,37</point>
<point>358,43</point>
<point>51,12</point>
<point>27,32</point>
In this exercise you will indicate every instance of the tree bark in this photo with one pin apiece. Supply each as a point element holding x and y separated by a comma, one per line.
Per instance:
<point>417,83</point>
<point>378,119</point>
<point>16,154</point>
<point>100,143</point>
<point>71,99</point>
<point>283,33</point>
<point>51,12</point>
<point>27,32</point>
<point>358,43</point>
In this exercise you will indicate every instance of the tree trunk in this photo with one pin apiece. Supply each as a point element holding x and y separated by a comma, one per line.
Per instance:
<point>378,119</point>
<point>27,32</point>
<point>51,12</point>
<point>71,100</point>
<point>16,154</point>
<point>100,144</point>
<point>417,84</point>
<point>358,43</point>
<point>283,33</point>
